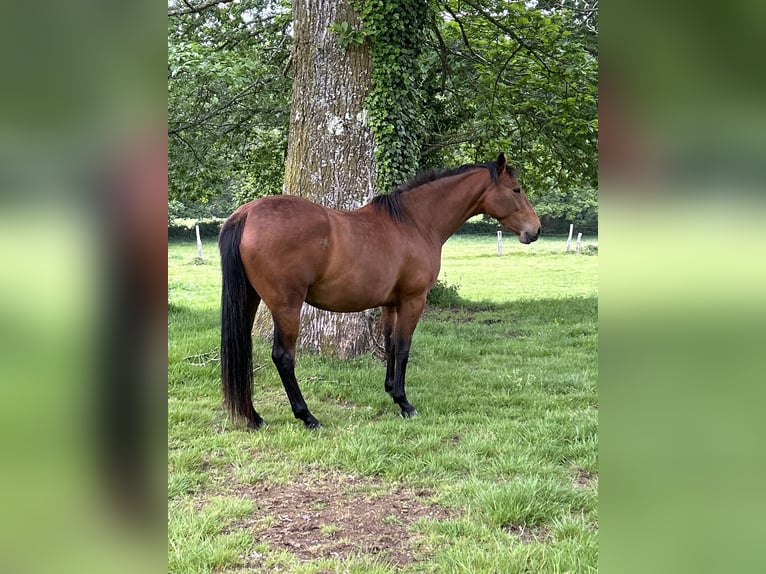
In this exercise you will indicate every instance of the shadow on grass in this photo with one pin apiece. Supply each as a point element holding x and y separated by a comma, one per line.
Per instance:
<point>549,307</point>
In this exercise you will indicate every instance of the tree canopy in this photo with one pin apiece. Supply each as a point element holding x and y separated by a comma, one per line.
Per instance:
<point>228,99</point>
<point>516,77</point>
<point>486,76</point>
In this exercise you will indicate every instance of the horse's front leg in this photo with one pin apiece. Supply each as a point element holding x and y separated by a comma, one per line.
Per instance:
<point>286,323</point>
<point>388,321</point>
<point>407,315</point>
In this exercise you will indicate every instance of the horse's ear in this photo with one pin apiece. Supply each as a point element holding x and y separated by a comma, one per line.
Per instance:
<point>501,163</point>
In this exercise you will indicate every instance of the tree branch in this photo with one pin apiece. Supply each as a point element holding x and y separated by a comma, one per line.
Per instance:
<point>196,8</point>
<point>464,35</point>
<point>191,147</point>
<point>508,30</point>
<point>442,56</point>
<point>497,80</point>
<point>213,112</point>
<point>455,139</point>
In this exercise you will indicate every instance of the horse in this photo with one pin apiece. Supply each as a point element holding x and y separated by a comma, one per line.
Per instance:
<point>285,250</point>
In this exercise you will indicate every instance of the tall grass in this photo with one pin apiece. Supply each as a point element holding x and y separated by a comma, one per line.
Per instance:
<point>505,383</point>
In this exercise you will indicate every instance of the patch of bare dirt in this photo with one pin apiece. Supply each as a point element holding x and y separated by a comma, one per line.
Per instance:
<point>334,515</point>
<point>528,534</point>
<point>583,478</point>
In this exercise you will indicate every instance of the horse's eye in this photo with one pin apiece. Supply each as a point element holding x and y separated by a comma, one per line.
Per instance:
<point>516,190</point>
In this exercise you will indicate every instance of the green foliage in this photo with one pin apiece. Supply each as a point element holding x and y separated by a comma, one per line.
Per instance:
<point>515,77</point>
<point>444,294</point>
<point>396,29</point>
<point>228,101</point>
<point>185,229</point>
<point>347,35</point>
<point>482,225</point>
<point>558,208</point>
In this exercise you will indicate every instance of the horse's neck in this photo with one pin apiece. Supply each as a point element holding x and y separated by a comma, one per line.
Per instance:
<point>443,205</point>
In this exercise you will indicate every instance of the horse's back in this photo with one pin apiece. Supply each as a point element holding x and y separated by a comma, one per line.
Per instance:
<point>283,238</point>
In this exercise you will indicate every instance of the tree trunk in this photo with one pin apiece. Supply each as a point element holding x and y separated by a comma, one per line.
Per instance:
<point>330,157</point>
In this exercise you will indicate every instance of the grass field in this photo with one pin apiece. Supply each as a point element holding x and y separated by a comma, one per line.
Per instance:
<point>497,474</point>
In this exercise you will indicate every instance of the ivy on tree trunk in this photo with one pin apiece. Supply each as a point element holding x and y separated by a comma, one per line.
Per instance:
<point>396,30</point>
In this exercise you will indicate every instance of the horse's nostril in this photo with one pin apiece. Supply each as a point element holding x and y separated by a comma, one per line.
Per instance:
<point>539,229</point>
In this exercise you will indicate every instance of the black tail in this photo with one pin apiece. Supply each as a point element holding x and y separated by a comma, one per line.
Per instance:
<point>238,301</point>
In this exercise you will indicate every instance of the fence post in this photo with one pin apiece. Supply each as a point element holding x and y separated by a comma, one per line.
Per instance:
<point>577,247</point>
<point>569,239</point>
<point>499,243</point>
<point>199,244</point>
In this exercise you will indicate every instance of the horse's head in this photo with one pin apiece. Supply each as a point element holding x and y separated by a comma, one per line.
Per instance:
<point>508,203</point>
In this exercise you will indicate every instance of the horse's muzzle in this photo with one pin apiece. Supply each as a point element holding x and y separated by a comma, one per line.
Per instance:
<point>529,237</point>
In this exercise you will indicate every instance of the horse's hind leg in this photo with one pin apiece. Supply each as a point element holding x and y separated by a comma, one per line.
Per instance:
<point>388,320</point>
<point>286,323</point>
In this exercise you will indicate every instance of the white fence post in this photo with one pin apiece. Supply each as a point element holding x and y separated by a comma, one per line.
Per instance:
<point>569,240</point>
<point>199,244</point>
<point>499,243</point>
<point>577,247</point>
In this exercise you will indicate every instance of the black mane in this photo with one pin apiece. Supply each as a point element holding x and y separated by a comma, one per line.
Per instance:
<point>390,203</point>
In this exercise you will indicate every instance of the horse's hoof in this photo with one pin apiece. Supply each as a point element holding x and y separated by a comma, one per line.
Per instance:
<point>409,413</point>
<point>254,420</point>
<point>312,424</point>
<point>255,424</point>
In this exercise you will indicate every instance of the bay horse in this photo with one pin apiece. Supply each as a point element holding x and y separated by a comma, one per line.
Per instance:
<point>284,250</point>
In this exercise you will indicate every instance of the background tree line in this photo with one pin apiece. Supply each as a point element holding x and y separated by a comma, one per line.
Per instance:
<point>480,77</point>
